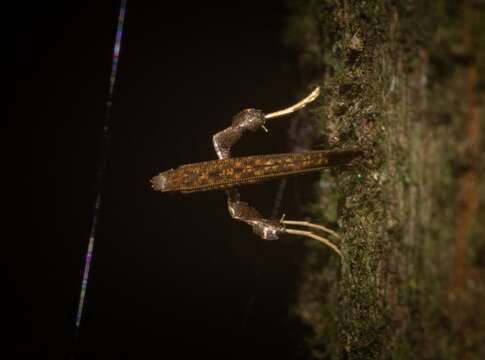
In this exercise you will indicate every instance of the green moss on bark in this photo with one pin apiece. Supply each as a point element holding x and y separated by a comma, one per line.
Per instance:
<point>393,77</point>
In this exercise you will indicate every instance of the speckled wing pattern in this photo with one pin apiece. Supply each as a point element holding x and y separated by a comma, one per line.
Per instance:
<point>231,172</point>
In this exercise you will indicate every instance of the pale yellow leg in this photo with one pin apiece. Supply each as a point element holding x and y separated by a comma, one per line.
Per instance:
<point>299,105</point>
<point>311,225</point>
<point>316,237</point>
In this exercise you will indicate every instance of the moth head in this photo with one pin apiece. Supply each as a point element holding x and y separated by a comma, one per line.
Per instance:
<point>162,182</point>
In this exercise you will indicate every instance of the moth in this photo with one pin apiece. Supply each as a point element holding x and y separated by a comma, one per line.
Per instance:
<point>228,173</point>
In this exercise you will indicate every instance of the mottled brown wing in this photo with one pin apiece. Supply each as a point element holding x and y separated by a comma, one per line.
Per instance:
<point>232,172</point>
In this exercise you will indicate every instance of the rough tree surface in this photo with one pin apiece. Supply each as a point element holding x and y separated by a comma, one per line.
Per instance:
<point>405,78</point>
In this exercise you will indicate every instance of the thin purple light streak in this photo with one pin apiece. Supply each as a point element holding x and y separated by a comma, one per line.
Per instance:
<point>102,165</point>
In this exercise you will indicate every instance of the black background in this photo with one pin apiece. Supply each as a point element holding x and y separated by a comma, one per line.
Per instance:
<point>171,274</point>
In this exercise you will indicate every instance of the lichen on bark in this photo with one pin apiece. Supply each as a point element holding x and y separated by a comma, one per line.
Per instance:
<point>405,79</point>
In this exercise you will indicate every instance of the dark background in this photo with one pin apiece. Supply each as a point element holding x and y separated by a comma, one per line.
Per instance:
<point>171,273</point>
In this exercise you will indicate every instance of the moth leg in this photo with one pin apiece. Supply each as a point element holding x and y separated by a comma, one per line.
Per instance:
<point>312,225</point>
<point>270,229</point>
<point>266,229</point>
<point>298,106</point>
<point>252,119</point>
<point>316,237</point>
<point>249,119</point>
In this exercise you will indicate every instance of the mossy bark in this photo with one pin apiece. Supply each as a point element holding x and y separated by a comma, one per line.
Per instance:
<point>403,78</point>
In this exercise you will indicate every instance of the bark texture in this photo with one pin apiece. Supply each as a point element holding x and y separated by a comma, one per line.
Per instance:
<point>405,78</point>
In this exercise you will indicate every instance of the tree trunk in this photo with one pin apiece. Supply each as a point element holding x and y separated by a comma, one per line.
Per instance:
<point>404,79</point>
